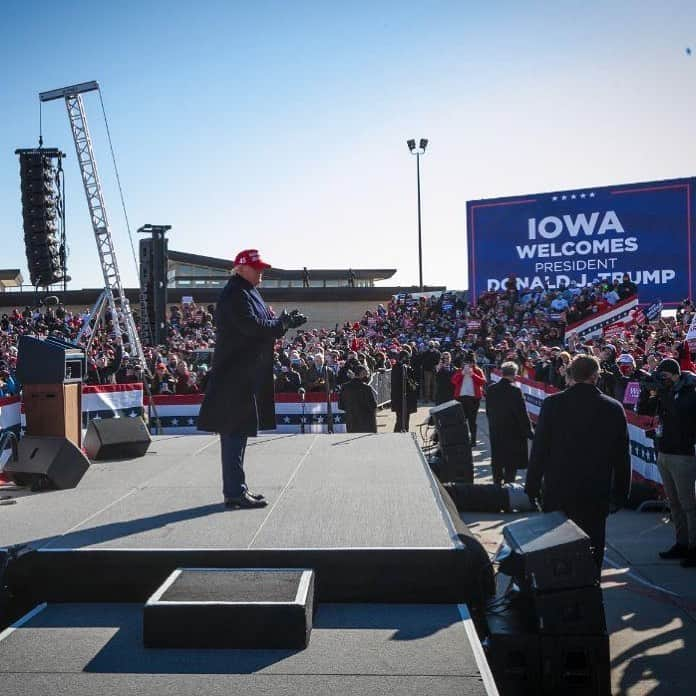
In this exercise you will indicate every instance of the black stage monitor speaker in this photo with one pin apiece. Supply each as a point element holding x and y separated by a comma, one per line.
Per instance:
<point>478,497</point>
<point>117,438</point>
<point>455,442</point>
<point>549,552</point>
<point>48,462</point>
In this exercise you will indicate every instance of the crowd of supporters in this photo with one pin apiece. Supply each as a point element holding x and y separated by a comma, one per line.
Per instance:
<point>439,333</point>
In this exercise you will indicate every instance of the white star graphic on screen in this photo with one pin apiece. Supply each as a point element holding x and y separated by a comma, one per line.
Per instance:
<point>190,421</point>
<point>564,197</point>
<point>286,420</point>
<point>591,195</point>
<point>175,421</point>
<point>554,198</point>
<point>582,195</point>
<point>573,196</point>
<point>337,418</point>
<point>320,419</point>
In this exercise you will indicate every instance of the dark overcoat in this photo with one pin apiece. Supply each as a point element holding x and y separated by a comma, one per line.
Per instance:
<point>358,401</point>
<point>444,389</point>
<point>581,452</point>
<point>239,395</point>
<point>397,388</point>
<point>508,425</point>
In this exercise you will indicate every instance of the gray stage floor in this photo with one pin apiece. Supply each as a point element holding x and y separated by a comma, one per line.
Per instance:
<point>355,649</point>
<point>324,491</point>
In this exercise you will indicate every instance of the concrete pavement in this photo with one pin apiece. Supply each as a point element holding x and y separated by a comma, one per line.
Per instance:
<point>650,604</point>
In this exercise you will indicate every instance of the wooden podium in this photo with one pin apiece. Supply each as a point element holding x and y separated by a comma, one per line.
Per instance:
<point>51,373</point>
<point>54,410</point>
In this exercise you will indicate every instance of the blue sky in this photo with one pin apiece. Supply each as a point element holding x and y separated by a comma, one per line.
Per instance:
<point>282,125</point>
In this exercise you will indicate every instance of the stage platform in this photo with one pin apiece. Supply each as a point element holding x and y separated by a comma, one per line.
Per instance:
<point>395,570</point>
<point>355,649</point>
<point>363,510</point>
<point>324,491</point>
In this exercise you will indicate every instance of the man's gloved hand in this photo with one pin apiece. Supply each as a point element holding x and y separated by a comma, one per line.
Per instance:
<point>296,319</point>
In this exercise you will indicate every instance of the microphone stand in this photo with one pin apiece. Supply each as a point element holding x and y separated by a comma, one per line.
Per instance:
<point>329,409</point>
<point>404,395</point>
<point>301,392</point>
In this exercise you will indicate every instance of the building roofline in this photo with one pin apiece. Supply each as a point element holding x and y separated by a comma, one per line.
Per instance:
<point>284,273</point>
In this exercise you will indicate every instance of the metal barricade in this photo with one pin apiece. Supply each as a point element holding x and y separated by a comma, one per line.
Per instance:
<point>381,385</point>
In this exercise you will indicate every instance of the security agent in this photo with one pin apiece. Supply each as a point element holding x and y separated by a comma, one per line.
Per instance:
<point>580,460</point>
<point>239,397</point>
<point>675,438</point>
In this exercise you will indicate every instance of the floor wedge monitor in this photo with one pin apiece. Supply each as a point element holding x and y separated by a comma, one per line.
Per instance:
<point>47,462</point>
<point>117,438</point>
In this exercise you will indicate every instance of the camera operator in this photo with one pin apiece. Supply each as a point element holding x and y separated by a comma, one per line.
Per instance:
<point>675,437</point>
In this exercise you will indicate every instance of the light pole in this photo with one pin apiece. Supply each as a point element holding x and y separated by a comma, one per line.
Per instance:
<point>418,151</point>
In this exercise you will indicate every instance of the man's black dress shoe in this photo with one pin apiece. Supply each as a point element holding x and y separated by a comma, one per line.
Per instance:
<point>690,560</point>
<point>245,501</point>
<point>677,551</point>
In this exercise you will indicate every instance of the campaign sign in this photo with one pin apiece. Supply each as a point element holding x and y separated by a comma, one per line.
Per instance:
<point>551,239</point>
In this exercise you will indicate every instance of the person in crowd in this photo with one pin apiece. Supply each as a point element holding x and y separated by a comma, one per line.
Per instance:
<point>609,370</point>
<point>359,403</point>
<point>202,375</point>
<point>469,382</point>
<point>429,362</point>
<point>239,397</point>
<point>626,288</point>
<point>509,427</point>
<point>580,459</point>
<point>315,379</point>
<point>444,389</point>
<point>103,369</point>
<point>305,277</point>
<point>163,381</point>
<point>404,392</point>
<point>288,380</point>
<point>348,369</point>
<point>185,381</point>
<point>675,440</point>
<point>629,387</point>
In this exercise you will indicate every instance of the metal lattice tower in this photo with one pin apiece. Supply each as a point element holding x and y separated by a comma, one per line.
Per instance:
<point>115,295</point>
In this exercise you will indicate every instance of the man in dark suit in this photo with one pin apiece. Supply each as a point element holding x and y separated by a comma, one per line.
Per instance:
<point>404,392</point>
<point>358,401</point>
<point>508,426</point>
<point>239,397</point>
<point>580,461</point>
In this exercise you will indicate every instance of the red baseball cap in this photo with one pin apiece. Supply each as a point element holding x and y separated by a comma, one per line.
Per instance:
<point>250,257</point>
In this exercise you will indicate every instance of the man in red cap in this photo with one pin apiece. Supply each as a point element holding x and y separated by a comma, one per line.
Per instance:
<point>239,396</point>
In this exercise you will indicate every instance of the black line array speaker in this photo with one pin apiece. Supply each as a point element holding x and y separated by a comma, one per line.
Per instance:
<point>47,462</point>
<point>478,497</point>
<point>455,442</point>
<point>117,438</point>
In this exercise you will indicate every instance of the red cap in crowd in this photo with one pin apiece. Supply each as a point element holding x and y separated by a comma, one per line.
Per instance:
<point>250,257</point>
